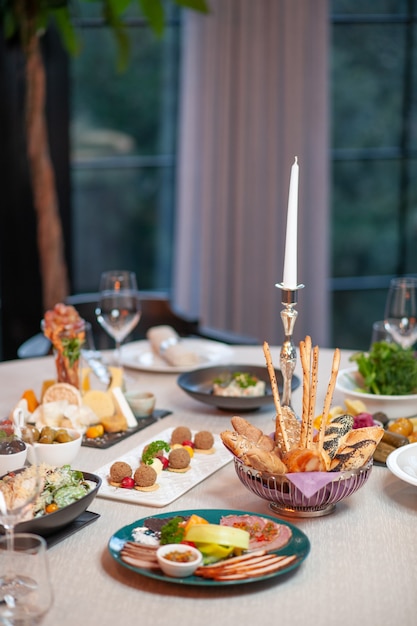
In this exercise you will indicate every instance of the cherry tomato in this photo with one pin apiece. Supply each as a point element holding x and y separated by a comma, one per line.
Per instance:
<point>127,483</point>
<point>7,426</point>
<point>163,460</point>
<point>51,508</point>
<point>188,543</point>
<point>402,426</point>
<point>188,443</point>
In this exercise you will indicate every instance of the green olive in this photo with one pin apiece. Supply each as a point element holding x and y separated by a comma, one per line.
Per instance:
<point>62,436</point>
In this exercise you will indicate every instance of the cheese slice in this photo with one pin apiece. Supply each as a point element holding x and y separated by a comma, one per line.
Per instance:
<point>123,407</point>
<point>101,402</point>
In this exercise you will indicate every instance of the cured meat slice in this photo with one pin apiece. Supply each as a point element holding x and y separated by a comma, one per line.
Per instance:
<point>264,532</point>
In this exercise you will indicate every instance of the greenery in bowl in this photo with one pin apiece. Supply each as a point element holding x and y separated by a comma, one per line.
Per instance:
<point>387,369</point>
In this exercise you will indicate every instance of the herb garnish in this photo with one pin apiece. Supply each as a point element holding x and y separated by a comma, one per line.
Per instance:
<point>72,349</point>
<point>172,531</point>
<point>387,369</point>
<point>243,379</point>
<point>153,449</point>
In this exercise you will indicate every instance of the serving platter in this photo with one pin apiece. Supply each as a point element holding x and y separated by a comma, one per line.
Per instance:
<point>199,385</point>
<point>171,484</point>
<point>299,545</point>
<point>139,355</point>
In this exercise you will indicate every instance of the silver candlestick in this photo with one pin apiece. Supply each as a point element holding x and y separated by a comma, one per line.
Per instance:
<point>288,355</point>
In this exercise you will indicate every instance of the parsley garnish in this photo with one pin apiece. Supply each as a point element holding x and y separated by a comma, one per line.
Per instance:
<point>387,369</point>
<point>172,531</point>
<point>153,449</point>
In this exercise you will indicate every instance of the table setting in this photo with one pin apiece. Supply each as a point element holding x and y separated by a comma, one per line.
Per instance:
<point>284,502</point>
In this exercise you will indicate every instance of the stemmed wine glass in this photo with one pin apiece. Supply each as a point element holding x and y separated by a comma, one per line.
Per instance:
<point>118,310</point>
<point>19,490</point>
<point>401,311</point>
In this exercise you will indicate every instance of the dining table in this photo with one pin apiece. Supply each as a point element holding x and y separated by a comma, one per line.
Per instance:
<point>362,563</point>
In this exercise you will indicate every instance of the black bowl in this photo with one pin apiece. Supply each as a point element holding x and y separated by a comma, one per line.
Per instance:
<point>199,385</point>
<point>52,522</point>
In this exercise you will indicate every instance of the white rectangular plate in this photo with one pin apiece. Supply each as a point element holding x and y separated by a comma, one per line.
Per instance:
<point>171,484</point>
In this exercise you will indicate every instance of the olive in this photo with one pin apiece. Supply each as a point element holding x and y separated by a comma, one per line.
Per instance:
<point>47,438</point>
<point>62,436</point>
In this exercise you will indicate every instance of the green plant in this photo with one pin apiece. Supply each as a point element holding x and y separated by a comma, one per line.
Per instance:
<point>29,20</point>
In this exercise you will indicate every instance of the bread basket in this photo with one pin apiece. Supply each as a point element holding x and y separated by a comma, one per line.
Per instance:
<point>286,499</point>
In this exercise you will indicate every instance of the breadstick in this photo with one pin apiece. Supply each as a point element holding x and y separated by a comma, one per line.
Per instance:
<point>305,356</point>
<point>312,401</point>
<point>329,397</point>
<point>280,430</point>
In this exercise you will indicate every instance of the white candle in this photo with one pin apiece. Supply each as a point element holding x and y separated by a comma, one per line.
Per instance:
<point>290,260</point>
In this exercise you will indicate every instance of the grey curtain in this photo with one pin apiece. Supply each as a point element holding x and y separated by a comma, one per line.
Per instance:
<point>254,95</point>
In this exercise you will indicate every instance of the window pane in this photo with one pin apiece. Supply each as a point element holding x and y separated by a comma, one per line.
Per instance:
<point>373,7</point>
<point>364,218</point>
<point>367,85</point>
<point>123,155</point>
<point>121,221</point>
<point>353,315</point>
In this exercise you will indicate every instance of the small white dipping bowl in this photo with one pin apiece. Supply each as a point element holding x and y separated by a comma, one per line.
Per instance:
<point>402,462</point>
<point>142,403</point>
<point>177,569</point>
<point>56,454</point>
<point>349,383</point>
<point>14,461</point>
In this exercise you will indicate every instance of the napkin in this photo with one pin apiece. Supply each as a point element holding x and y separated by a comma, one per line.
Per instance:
<point>166,342</point>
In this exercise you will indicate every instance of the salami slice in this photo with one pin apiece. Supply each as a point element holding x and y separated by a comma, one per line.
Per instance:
<point>264,532</point>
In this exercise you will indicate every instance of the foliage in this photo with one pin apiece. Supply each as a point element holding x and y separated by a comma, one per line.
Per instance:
<point>26,17</point>
<point>387,369</point>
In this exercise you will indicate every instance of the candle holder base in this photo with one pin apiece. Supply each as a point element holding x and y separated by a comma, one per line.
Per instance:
<point>288,355</point>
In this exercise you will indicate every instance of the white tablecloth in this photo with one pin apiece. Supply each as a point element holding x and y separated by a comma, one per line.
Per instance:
<point>362,568</point>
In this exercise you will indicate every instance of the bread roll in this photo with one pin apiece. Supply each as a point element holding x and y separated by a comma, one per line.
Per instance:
<point>336,432</point>
<point>254,434</point>
<point>357,448</point>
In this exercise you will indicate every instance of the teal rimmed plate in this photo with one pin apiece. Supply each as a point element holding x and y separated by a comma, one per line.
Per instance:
<point>299,545</point>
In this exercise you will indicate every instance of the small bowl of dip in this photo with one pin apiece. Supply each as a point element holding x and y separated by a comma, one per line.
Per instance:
<point>178,560</point>
<point>13,454</point>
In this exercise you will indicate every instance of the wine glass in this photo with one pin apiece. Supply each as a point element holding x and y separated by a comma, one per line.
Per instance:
<point>19,490</point>
<point>118,310</point>
<point>26,597</point>
<point>401,311</point>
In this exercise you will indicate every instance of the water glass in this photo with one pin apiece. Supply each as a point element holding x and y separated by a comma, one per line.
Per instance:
<point>25,587</point>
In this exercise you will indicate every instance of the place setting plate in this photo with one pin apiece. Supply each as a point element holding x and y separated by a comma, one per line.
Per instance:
<point>171,485</point>
<point>299,545</point>
<point>140,355</point>
<point>199,385</point>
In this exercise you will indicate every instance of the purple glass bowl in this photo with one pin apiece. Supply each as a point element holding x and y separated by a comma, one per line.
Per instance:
<point>286,499</point>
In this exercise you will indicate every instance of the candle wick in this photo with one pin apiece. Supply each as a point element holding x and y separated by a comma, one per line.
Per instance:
<point>296,160</point>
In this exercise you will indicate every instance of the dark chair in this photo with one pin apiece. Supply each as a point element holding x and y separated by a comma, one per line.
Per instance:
<point>156,310</point>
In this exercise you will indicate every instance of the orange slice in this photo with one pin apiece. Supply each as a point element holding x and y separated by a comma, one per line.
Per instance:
<point>30,397</point>
<point>62,391</point>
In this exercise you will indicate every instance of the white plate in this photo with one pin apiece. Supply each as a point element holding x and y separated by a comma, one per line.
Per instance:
<point>171,484</point>
<point>139,355</point>
<point>349,382</point>
<point>403,463</point>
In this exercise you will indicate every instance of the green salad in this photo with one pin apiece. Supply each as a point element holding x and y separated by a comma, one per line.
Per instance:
<point>387,369</point>
<point>61,486</point>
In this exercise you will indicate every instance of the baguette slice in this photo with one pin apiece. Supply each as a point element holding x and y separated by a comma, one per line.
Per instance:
<point>335,433</point>
<point>357,449</point>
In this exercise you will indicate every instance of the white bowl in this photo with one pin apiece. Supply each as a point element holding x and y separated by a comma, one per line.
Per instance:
<point>403,463</point>
<point>142,403</point>
<point>176,569</point>
<point>349,383</point>
<point>11,462</point>
<point>56,454</point>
